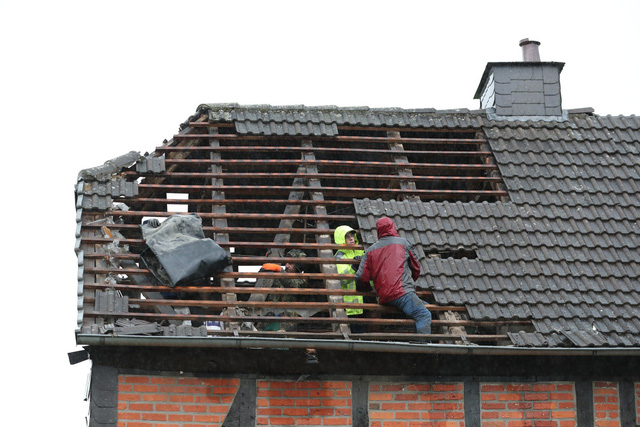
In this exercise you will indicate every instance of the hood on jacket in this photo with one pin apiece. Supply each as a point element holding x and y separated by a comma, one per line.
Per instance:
<point>339,236</point>
<point>386,227</point>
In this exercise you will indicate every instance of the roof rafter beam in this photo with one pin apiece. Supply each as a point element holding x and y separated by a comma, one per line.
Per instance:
<point>498,185</point>
<point>221,222</point>
<point>171,168</point>
<point>282,239</point>
<point>316,194</point>
<point>407,184</point>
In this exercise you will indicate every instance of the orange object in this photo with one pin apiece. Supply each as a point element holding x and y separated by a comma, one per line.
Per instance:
<point>271,267</point>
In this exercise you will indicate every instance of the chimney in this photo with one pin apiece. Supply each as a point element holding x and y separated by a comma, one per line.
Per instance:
<point>528,90</point>
<point>530,50</point>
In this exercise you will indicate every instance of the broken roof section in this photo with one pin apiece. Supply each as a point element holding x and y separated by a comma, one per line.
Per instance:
<point>526,229</point>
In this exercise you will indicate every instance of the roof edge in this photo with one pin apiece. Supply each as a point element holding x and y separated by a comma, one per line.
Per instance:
<point>370,346</point>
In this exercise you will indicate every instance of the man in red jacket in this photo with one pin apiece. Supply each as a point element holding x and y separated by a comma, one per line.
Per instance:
<point>393,267</point>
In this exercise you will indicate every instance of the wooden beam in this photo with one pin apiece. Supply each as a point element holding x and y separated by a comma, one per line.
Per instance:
<point>187,143</point>
<point>346,164</point>
<point>354,192</point>
<point>258,201</point>
<point>407,185</point>
<point>339,176</point>
<point>220,221</point>
<point>316,320</point>
<point>283,238</point>
<point>243,290</point>
<point>269,245</point>
<point>288,215</point>
<point>328,269</point>
<point>295,149</point>
<point>237,260</point>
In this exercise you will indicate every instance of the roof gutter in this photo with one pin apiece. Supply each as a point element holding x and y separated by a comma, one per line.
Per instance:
<point>344,345</point>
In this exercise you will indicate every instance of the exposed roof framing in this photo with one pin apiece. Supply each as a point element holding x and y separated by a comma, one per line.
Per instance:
<point>260,195</point>
<point>526,230</point>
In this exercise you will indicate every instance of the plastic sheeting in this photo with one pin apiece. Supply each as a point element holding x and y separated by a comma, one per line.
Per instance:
<point>180,252</point>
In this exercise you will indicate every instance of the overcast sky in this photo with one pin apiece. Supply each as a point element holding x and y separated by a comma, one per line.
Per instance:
<point>85,81</point>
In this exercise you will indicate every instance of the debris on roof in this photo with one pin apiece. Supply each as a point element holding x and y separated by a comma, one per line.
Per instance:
<point>110,167</point>
<point>527,229</point>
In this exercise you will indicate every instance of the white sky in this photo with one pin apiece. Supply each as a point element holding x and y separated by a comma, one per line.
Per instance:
<point>85,81</point>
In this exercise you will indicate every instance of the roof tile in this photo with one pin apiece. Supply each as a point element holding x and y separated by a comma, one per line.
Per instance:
<point>568,235</point>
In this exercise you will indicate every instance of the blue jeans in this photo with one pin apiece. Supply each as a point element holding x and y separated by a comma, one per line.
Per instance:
<point>414,308</point>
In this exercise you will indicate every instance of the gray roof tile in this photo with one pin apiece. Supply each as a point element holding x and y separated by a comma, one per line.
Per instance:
<point>563,250</point>
<point>323,121</point>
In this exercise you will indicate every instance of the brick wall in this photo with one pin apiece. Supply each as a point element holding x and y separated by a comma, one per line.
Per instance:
<point>147,401</point>
<point>606,404</point>
<point>527,404</point>
<point>162,401</point>
<point>416,405</point>
<point>308,403</point>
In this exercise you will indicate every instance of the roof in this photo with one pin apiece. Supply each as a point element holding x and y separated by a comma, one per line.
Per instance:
<point>301,120</point>
<point>558,248</point>
<point>562,252</point>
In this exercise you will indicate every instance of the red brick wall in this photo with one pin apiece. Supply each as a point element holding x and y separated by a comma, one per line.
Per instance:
<point>527,404</point>
<point>147,401</point>
<point>416,405</point>
<point>159,401</point>
<point>307,403</point>
<point>606,409</point>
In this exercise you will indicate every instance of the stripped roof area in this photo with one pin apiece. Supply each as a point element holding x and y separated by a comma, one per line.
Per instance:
<point>529,226</point>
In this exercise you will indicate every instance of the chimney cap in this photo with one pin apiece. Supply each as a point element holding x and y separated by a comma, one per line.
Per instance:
<point>527,41</point>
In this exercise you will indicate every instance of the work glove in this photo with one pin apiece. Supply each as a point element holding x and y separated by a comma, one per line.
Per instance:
<point>153,222</point>
<point>356,266</point>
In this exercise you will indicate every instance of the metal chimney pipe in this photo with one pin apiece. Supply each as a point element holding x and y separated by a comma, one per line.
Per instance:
<point>530,50</point>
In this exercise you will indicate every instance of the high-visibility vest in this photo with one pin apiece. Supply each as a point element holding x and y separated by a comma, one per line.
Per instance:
<point>349,284</point>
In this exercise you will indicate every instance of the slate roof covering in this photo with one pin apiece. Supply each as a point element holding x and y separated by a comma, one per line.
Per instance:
<point>562,252</point>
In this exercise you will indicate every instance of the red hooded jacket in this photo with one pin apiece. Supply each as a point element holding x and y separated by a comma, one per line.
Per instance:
<point>390,263</point>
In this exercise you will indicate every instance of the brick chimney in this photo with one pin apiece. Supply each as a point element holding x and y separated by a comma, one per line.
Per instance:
<point>528,90</point>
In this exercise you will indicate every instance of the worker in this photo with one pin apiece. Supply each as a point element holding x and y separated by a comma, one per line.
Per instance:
<point>281,282</point>
<point>345,235</point>
<point>393,267</point>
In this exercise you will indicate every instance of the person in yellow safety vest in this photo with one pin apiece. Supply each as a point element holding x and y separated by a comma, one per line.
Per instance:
<point>345,235</point>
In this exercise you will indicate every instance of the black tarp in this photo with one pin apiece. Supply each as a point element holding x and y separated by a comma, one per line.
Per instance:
<point>179,253</point>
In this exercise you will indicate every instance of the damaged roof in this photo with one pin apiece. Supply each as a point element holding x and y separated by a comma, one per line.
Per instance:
<point>557,246</point>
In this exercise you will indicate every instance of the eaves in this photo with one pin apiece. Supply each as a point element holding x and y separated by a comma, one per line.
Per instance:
<point>347,345</point>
